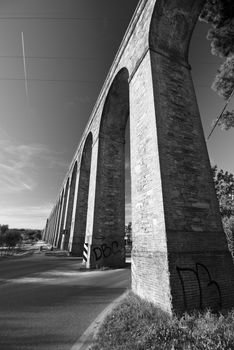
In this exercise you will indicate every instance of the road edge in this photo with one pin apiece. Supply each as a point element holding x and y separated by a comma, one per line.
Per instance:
<point>87,337</point>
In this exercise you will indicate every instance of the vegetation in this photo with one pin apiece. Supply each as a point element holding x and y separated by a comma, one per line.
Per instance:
<point>228,226</point>
<point>139,325</point>
<point>12,238</point>
<point>220,14</point>
<point>224,186</point>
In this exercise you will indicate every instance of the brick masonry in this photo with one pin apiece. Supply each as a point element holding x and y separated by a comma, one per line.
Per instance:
<point>180,259</point>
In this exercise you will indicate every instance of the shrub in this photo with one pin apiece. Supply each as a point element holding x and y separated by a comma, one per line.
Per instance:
<point>139,325</point>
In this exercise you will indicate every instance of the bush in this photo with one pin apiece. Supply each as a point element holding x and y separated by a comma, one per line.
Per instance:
<point>12,238</point>
<point>139,325</point>
<point>228,226</point>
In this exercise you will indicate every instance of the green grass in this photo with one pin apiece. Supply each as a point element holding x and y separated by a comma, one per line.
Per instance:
<point>138,325</point>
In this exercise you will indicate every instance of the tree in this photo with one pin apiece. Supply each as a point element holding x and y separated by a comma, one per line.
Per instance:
<point>224,186</point>
<point>128,233</point>
<point>228,226</point>
<point>12,238</point>
<point>3,230</point>
<point>220,14</point>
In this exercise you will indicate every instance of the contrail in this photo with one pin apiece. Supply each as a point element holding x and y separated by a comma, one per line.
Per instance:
<point>25,71</point>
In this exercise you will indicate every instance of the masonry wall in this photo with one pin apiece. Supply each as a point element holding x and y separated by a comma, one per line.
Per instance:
<point>180,258</point>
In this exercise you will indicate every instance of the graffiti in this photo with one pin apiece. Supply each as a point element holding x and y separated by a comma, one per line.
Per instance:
<point>105,251</point>
<point>200,282</point>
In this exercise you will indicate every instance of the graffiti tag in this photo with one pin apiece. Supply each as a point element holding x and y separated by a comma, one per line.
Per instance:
<point>105,250</point>
<point>209,282</point>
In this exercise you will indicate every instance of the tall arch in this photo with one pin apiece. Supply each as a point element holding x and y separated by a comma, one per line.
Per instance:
<point>109,213</point>
<point>178,235</point>
<point>57,222</point>
<point>59,219</point>
<point>82,198</point>
<point>70,206</point>
<point>61,230</point>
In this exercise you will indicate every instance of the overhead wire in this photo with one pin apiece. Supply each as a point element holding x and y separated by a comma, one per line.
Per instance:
<point>62,18</point>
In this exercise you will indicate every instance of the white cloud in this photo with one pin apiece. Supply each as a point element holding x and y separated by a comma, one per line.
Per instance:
<point>128,212</point>
<point>19,163</point>
<point>127,164</point>
<point>25,216</point>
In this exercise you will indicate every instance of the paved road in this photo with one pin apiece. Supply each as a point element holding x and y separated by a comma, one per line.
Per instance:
<point>46,303</point>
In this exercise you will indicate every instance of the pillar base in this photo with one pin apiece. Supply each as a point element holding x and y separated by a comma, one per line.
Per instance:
<point>107,254</point>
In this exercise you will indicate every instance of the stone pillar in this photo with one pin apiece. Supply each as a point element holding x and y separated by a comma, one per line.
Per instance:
<point>57,223</point>
<point>107,247</point>
<point>70,207</point>
<point>63,215</point>
<point>72,244</point>
<point>109,216</point>
<point>180,255</point>
<point>150,270</point>
<point>81,199</point>
<point>91,202</point>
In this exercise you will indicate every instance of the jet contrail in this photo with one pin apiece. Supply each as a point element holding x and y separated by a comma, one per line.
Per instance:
<point>25,71</point>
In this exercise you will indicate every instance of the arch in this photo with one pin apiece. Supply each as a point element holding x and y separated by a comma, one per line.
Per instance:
<point>61,230</point>
<point>176,219</point>
<point>70,206</point>
<point>82,198</point>
<point>109,213</point>
<point>171,27</point>
<point>45,235</point>
<point>59,220</point>
<point>116,108</point>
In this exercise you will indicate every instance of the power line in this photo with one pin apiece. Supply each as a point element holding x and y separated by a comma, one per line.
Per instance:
<point>52,57</point>
<point>63,18</point>
<point>52,80</point>
<point>218,119</point>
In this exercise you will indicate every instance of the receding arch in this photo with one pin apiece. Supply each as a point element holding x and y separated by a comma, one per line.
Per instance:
<point>61,231</point>
<point>175,217</point>
<point>109,214</point>
<point>116,108</point>
<point>59,219</point>
<point>171,27</point>
<point>55,223</point>
<point>70,206</point>
<point>82,198</point>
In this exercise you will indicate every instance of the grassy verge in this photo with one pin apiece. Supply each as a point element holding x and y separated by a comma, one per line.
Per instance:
<point>138,325</point>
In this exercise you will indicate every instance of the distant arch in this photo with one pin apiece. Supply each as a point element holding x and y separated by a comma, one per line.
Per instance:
<point>109,213</point>
<point>61,231</point>
<point>59,219</point>
<point>70,207</point>
<point>172,26</point>
<point>82,198</point>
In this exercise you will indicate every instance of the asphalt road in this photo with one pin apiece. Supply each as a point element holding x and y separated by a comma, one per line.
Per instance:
<point>47,303</point>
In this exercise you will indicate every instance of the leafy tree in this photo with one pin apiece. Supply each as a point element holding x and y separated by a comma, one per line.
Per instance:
<point>228,226</point>
<point>12,238</point>
<point>128,232</point>
<point>3,230</point>
<point>220,14</point>
<point>224,186</point>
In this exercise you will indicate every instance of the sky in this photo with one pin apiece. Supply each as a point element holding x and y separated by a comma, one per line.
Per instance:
<point>69,48</point>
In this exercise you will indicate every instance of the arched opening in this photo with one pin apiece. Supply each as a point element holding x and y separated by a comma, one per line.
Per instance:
<point>128,197</point>
<point>56,211</point>
<point>59,220</point>
<point>61,231</point>
<point>109,215</point>
<point>82,199</point>
<point>177,229</point>
<point>70,207</point>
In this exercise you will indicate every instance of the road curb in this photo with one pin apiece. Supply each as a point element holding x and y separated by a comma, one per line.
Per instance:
<point>84,342</point>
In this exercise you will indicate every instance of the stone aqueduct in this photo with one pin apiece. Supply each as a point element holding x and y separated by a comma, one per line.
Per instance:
<point>180,258</point>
